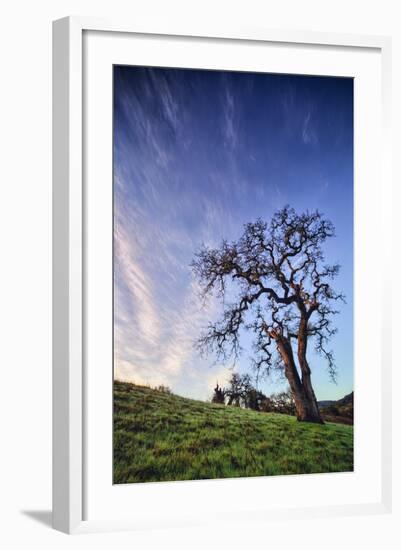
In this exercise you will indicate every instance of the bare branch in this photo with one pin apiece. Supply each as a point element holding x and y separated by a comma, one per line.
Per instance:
<point>279,275</point>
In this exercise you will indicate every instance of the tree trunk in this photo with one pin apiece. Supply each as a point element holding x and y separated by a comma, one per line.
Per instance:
<point>306,372</point>
<point>305,401</point>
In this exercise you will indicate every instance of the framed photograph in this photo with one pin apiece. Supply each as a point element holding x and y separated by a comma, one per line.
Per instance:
<point>218,333</point>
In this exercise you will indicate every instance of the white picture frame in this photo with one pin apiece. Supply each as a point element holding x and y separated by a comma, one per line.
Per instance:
<point>70,256</point>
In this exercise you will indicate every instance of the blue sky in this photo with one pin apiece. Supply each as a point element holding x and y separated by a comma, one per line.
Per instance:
<point>196,155</point>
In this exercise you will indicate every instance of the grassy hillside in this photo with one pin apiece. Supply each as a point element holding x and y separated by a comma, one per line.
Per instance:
<point>161,437</point>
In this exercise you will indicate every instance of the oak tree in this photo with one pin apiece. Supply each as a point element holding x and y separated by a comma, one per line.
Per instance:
<point>274,282</point>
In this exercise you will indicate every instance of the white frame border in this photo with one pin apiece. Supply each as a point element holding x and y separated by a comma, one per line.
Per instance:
<point>68,256</point>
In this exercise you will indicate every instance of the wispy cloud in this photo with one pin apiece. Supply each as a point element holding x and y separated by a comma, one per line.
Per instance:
<point>154,337</point>
<point>298,115</point>
<point>230,131</point>
<point>309,134</point>
<point>138,285</point>
<point>158,315</point>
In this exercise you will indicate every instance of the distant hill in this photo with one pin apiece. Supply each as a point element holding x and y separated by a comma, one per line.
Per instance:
<point>348,399</point>
<point>159,436</point>
<point>341,411</point>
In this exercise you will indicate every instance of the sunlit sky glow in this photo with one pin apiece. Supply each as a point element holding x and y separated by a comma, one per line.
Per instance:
<point>196,155</point>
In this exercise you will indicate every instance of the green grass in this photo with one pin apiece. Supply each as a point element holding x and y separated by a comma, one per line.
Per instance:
<point>161,437</point>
